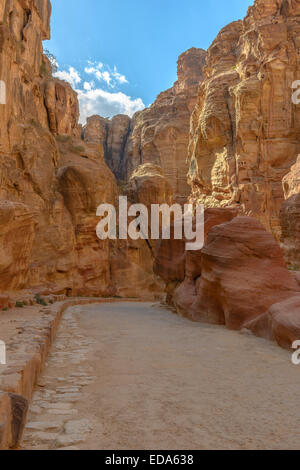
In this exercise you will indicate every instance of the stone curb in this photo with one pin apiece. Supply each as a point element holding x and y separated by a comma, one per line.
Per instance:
<point>27,360</point>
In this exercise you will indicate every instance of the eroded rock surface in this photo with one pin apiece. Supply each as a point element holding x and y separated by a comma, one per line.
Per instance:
<point>158,135</point>
<point>51,181</point>
<point>245,128</point>
<point>280,323</point>
<point>290,223</point>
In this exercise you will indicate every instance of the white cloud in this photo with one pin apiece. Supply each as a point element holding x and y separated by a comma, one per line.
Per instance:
<point>93,100</point>
<point>107,104</point>
<point>87,86</point>
<point>105,76</point>
<point>120,78</point>
<point>72,76</point>
<point>112,79</point>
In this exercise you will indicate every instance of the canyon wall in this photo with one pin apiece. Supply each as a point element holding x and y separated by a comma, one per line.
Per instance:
<point>51,181</point>
<point>245,129</point>
<point>225,135</point>
<point>158,135</point>
<point>244,167</point>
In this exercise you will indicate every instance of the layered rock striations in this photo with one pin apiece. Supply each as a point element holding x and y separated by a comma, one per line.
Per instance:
<point>245,129</point>
<point>242,143</point>
<point>158,135</point>
<point>51,181</point>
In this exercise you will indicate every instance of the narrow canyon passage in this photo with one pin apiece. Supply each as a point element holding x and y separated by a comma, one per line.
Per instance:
<point>135,376</point>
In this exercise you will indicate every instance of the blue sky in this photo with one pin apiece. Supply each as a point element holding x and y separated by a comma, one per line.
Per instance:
<point>120,54</point>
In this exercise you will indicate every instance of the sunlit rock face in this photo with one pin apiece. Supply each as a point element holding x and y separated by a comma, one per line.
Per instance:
<point>48,240</point>
<point>291,182</point>
<point>245,127</point>
<point>52,181</point>
<point>290,238</point>
<point>159,134</point>
<point>242,142</point>
<point>112,135</point>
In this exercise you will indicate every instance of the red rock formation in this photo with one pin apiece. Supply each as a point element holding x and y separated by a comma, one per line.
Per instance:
<point>132,261</point>
<point>85,181</point>
<point>243,147</point>
<point>174,265</point>
<point>240,261</point>
<point>62,108</point>
<point>148,185</point>
<point>159,134</point>
<point>47,240</point>
<point>16,240</point>
<point>290,223</point>
<point>245,127</point>
<point>117,134</point>
<point>95,131</point>
<point>280,323</point>
<point>291,182</point>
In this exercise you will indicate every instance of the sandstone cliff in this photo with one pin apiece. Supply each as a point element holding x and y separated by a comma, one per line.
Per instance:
<point>245,131</point>
<point>51,181</point>
<point>242,142</point>
<point>158,135</point>
<point>243,156</point>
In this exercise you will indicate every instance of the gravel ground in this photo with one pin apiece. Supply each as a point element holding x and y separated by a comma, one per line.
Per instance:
<point>135,376</point>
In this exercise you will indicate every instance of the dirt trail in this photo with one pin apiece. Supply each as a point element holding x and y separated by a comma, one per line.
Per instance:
<point>135,376</point>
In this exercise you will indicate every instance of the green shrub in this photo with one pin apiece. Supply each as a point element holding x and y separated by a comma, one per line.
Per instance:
<point>39,300</point>
<point>19,304</point>
<point>52,59</point>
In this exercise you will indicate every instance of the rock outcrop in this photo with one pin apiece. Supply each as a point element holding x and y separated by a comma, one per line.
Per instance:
<point>112,135</point>
<point>245,128</point>
<point>158,135</point>
<point>180,269</point>
<point>51,181</point>
<point>149,185</point>
<point>290,223</point>
<point>291,182</point>
<point>239,261</point>
<point>132,261</point>
<point>244,142</point>
<point>281,323</point>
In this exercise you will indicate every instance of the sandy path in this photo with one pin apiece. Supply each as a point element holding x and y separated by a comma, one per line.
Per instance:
<point>135,376</point>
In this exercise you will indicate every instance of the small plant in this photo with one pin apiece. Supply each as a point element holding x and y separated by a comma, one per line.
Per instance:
<point>295,267</point>
<point>5,309</point>
<point>52,59</point>
<point>19,305</point>
<point>51,301</point>
<point>39,300</point>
